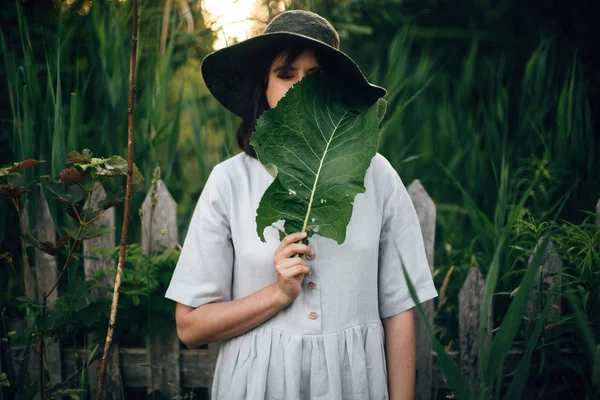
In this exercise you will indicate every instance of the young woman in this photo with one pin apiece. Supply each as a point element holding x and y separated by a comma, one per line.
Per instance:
<point>337,323</point>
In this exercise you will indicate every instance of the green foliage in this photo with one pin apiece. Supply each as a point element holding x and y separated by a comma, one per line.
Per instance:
<point>73,190</point>
<point>72,92</point>
<point>144,282</point>
<point>318,144</point>
<point>75,220</point>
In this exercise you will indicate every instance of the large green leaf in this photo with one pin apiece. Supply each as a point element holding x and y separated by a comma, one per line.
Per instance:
<point>318,149</point>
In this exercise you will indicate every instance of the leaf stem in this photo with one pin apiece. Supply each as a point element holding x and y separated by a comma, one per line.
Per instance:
<point>42,351</point>
<point>25,257</point>
<point>76,245</point>
<point>76,213</point>
<point>95,217</point>
<point>312,192</point>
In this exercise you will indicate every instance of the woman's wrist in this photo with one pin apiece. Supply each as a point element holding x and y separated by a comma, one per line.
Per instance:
<point>282,300</point>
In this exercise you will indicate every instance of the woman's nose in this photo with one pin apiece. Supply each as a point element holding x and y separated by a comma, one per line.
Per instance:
<point>301,74</point>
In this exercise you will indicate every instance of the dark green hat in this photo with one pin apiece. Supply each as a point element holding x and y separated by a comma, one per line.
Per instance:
<point>225,71</point>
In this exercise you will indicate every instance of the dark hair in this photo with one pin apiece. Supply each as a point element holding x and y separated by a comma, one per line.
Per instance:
<point>255,100</point>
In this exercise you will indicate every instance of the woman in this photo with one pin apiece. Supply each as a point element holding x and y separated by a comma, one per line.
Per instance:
<point>337,323</point>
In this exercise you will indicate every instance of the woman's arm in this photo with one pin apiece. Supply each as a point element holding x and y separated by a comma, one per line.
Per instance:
<point>400,349</point>
<point>218,321</point>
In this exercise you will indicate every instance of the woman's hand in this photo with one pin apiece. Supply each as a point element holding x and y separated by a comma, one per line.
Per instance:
<point>290,269</point>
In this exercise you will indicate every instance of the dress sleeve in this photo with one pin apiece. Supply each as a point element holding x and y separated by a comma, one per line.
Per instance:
<point>203,273</point>
<point>401,242</point>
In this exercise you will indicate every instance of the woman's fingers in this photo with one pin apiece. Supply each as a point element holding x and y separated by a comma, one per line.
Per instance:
<point>287,264</point>
<point>298,270</point>
<point>292,267</point>
<point>294,248</point>
<point>291,270</point>
<point>289,239</point>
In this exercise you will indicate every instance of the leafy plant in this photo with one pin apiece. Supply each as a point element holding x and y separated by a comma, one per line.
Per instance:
<point>72,192</point>
<point>318,145</point>
<point>145,280</point>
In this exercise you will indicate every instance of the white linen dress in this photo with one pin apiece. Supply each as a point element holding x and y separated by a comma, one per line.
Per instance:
<point>329,342</point>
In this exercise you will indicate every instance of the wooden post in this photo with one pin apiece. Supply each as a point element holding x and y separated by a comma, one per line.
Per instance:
<point>213,354</point>
<point>549,277</point>
<point>470,300</point>
<point>31,292</point>
<point>92,264</point>
<point>426,212</point>
<point>159,229</point>
<point>46,275</point>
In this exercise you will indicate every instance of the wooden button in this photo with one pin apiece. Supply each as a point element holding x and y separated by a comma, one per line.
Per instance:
<point>312,315</point>
<point>311,285</point>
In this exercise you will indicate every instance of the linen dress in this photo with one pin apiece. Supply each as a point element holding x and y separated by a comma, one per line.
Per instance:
<point>329,342</point>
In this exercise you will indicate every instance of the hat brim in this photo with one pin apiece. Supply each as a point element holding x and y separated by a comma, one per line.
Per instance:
<point>225,71</point>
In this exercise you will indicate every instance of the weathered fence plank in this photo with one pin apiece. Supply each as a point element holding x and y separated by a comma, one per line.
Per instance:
<point>159,229</point>
<point>46,273</point>
<point>213,354</point>
<point>550,278</point>
<point>162,232</point>
<point>32,293</point>
<point>92,264</point>
<point>470,300</point>
<point>426,212</point>
<point>546,279</point>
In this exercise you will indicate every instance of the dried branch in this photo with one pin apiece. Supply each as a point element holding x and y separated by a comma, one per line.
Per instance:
<point>130,141</point>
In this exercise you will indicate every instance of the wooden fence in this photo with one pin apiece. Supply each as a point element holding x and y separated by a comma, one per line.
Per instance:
<point>174,367</point>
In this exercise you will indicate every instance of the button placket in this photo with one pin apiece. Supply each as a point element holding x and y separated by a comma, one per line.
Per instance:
<point>312,294</point>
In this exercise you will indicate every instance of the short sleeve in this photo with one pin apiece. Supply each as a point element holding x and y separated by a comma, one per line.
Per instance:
<point>203,273</point>
<point>401,242</point>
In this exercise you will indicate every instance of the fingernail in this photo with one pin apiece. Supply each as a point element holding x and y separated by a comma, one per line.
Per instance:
<point>303,234</point>
<point>310,256</point>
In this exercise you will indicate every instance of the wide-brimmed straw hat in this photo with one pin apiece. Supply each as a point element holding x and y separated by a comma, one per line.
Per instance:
<point>225,71</point>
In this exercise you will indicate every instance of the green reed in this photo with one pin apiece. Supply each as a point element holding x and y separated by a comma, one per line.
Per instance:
<point>494,144</point>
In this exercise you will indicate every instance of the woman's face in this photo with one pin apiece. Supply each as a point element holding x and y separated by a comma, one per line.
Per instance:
<point>281,79</point>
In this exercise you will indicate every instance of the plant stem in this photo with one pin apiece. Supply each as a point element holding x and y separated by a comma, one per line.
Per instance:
<point>25,257</point>
<point>75,248</point>
<point>130,142</point>
<point>95,218</point>
<point>76,213</point>
<point>148,260</point>
<point>42,352</point>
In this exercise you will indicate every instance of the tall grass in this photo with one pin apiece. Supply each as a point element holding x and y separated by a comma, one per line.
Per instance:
<point>76,95</point>
<point>495,152</point>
